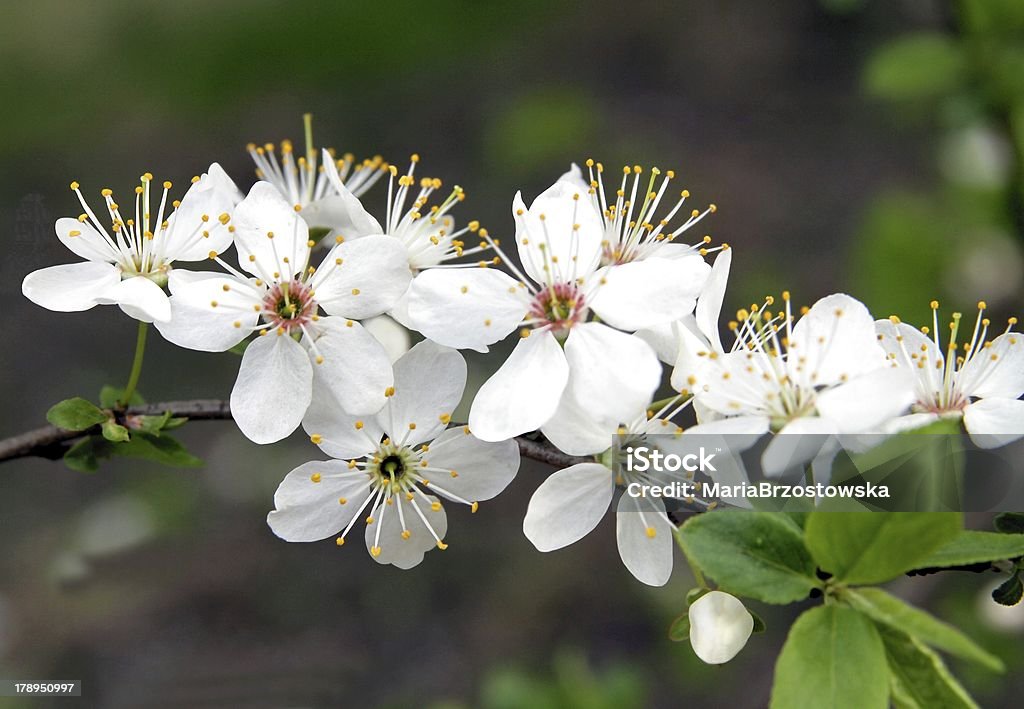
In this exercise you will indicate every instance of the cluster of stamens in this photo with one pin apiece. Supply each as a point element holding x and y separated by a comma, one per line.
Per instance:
<point>557,308</point>
<point>289,305</point>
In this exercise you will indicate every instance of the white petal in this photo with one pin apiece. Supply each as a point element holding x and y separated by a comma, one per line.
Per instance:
<point>568,505</point>
<point>307,511</point>
<point>393,336</point>
<point>524,393</point>
<point>429,381</point>
<point>467,308</point>
<point>372,275</point>
<point>574,177</point>
<point>263,212</point>
<point>273,389</point>
<point>865,403</point>
<point>394,549</point>
<point>86,241</point>
<point>649,292</point>
<point>994,422</point>
<point>909,422</point>
<point>689,366</point>
<point>574,431</point>
<point>559,237</point>
<point>71,287</point>
<point>797,444</point>
<point>355,370</point>
<point>482,469</point>
<point>190,238</point>
<point>719,627</point>
<point>340,435</point>
<point>141,299</point>
<point>741,432</point>
<point>343,213</point>
<point>835,339</point>
<point>198,324</point>
<point>709,305</point>
<point>614,374</point>
<point>1003,376</point>
<point>662,339</point>
<point>645,543</point>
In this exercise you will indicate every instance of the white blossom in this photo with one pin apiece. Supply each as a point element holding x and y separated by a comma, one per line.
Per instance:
<point>980,385</point>
<point>394,468</point>
<point>129,264</point>
<point>279,295</point>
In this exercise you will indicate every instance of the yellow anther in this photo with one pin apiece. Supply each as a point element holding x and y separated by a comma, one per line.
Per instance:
<point>651,532</point>
<point>316,439</point>
<point>406,534</point>
<point>359,425</point>
<point>436,506</point>
<point>474,507</point>
<point>390,391</point>
<point>315,477</point>
<point>340,541</point>
<point>375,551</point>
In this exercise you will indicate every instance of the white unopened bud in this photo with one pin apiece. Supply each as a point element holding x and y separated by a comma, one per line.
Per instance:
<point>719,627</point>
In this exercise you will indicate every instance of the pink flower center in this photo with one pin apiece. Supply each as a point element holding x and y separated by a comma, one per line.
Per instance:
<point>559,307</point>
<point>289,305</point>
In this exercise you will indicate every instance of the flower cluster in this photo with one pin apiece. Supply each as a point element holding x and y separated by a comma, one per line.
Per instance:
<point>603,287</point>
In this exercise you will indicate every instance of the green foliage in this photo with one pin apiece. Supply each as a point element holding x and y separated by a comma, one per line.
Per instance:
<point>1010,592</point>
<point>1009,523</point>
<point>872,547</point>
<point>973,547</point>
<point>919,678</point>
<point>892,612</point>
<point>679,630</point>
<point>916,66</point>
<point>756,554</point>
<point>75,414</point>
<point>833,657</point>
<point>115,432</point>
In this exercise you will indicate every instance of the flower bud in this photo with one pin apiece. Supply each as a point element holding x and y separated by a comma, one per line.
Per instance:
<point>719,627</point>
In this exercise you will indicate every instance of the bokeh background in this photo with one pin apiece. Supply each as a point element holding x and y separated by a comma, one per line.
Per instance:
<point>859,145</point>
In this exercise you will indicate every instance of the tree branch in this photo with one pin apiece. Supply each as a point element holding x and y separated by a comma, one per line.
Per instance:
<point>51,442</point>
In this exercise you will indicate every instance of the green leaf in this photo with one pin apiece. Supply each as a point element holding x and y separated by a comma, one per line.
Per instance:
<point>919,677</point>
<point>833,657</point>
<point>973,547</point>
<point>1010,591</point>
<point>891,611</point>
<point>174,422</point>
<point>872,547</point>
<point>759,626</point>
<point>916,66</point>
<point>1009,522</point>
<point>83,455</point>
<point>239,349</point>
<point>114,431</point>
<point>163,449</point>
<point>694,593</point>
<point>75,414</point>
<point>679,630</point>
<point>110,397</point>
<point>755,554</point>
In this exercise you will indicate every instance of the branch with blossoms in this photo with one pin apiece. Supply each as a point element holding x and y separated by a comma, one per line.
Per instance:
<point>607,296</point>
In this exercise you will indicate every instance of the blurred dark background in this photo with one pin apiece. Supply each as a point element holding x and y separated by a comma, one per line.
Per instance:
<point>873,147</point>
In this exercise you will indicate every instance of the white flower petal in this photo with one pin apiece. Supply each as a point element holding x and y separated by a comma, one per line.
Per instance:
<point>482,469</point>
<point>429,381</point>
<point>559,237</point>
<point>797,444</point>
<point>307,504</point>
<point>372,275</point>
<point>996,370</point>
<point>467,308</point>
<point>338,434</point>
<point>140,298</point>
<point>70,287</point>
<point>866,402</point>
<point>273,388</point>
<point>649,292</point>
<point>198,324</point>
<point>524,393</point>
<point>662,339</point>
<point>614,374</point>
<point>83,239</point>
<point>994,422</point>
<point>741,432</point>
<point>343,213</point>
<point>835,339</point>
<point>568,505</point>
<point>709,305</point>
<point>645,543</point>
<point>189,237</point>
<point>356,370</point>
<point>909,422</point>
<point>689,366</point>
<point>574,431</point>
<point>405,552</point>
<point>264,212</point>
<point>719,627</point>
<point>393,336</point>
